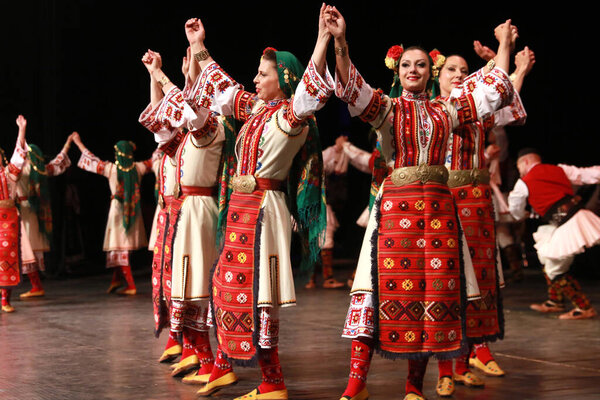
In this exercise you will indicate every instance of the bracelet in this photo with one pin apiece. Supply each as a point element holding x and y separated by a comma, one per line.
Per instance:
<point>513,77</point>
<point>163,81</point>
<point>491,64</point>
<point>341,51</point>
<point>201,55</point>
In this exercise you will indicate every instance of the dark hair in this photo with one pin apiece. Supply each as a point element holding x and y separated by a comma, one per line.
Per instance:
<point>456,55</point>
<point>270,55</point>
<point>429,60</point>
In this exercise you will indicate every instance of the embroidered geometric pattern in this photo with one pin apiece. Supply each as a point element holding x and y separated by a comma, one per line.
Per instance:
<point>10,261</point>
<point>419,303</point>
<point>233,299</point>
<point>482,315</point>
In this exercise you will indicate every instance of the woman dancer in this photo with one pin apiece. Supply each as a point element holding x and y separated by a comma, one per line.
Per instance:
<point>125,228</point>
<point>469,182</point>
<point>33,196</point>
<point>407,297</point>
<point>277,143</point>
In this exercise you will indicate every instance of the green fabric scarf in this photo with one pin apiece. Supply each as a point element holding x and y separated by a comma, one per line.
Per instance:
<point>228,168</point>
<point>128,193</point>
<point>39,193</point>
<point>306,181</point>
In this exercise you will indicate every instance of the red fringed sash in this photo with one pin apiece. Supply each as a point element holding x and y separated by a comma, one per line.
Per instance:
<point>418,271</point>
<point>162,261</point>
<point>233,288</point>
<point>476,214</point>
<point>10,250</point>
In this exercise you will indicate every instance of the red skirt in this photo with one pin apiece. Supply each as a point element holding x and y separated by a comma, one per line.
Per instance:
<point>10,247</point>
<point>485,321</point>
<point>235,281</point>
<point>418,272</point>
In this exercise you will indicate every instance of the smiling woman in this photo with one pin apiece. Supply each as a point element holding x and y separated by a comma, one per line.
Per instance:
<point>408,299</point>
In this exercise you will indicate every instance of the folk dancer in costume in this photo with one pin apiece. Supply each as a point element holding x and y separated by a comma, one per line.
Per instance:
<point>501,167</point>
<point>568,231</point>
<point>469,182</point>
<point>407,299</point>
<point>193,181</point>
<point>15,249</point>
<point>125,227</point>
<point>33,195</point>
<point>278,142</point>
<point>335,166</point>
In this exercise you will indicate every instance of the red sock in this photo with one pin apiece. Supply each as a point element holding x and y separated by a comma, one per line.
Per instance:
<point>126,271</point>
<point>173,340</point>
<point>272,376</point>
<point>445,368</point>
<point>189,342</point>
<point>220,368</point>
<point>360,361</point>
<point>116,277</point>
<point>204,353</point>
<point>6,297</point>
<point>416,373</point>
<point>36,283</point>
<point>482,351</point>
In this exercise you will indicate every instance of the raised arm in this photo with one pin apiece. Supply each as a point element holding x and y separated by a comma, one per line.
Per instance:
<point>336,25</point>
<point>194,30</point>
<point>75,138</point>
<point>22,124</point>
<point>319,56</point>
<point>506,34</point>
<point>156,93</point>
<point>153,62</point>
<point>524,61</point>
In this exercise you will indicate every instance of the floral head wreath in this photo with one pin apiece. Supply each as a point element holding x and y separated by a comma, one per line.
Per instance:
<point>438,62</point>
<point>392,58</point>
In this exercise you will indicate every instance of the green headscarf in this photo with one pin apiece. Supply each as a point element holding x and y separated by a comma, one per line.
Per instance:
<point>289,70</point>
<point>39,194</point>
<point>306,180</point>
<point>128,193</point>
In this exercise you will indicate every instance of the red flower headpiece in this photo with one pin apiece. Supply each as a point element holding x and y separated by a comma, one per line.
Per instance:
<point>267,49</point>
<point>392,58</point>
<point>438,61</point>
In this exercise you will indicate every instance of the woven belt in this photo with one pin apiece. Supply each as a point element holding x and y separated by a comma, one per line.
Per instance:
<point>7,203</point>
<point>563,210</point>
<point>199,190</point>
<point>250,183</point>
<point>464,177</point>
<point>423,173</point>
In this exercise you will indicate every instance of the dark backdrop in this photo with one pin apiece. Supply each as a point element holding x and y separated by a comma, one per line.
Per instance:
<point>75,65</point>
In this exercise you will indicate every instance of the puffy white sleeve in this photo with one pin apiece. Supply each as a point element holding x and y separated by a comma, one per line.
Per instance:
<point>59,164</point>
<point>517,200</point>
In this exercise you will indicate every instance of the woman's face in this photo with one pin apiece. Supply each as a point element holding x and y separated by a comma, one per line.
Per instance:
<point>453,73</point>
<point>267,81</point>
<point>414,70</point>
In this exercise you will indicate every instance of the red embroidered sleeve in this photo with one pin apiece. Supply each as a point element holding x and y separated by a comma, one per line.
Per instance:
<point>243,103</point>
<point>13,169</point>
<point>208,132</point>
<point>290,116</point>
<point>465,108</point>
<point>170,148</point>
<point>372,110</point>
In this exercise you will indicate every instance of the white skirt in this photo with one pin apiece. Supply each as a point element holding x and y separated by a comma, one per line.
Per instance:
<point>572,237</point>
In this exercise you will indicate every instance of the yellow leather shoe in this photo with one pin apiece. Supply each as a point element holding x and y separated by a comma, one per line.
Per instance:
<point>8,308</point>
<point>211,387</point>
<point>28,294</point>
<point>445,387</point>
<point>127,292</point>
<point>362,395</point>
<point>184,366</point>
<point>113,286</point>
<point>274,395</point>
<point>491,368</point>
<point>413,396</point>
<point>469,379</point>
<point>171,353</point>
<point>195,379</point>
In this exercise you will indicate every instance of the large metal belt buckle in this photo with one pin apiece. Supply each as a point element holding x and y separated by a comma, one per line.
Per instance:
<point>401,176</point>
<point>424,173</point>
<point>244,183</point>
<point>475,176</point>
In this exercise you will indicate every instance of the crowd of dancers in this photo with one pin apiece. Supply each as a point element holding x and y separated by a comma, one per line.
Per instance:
<point>239,172</point>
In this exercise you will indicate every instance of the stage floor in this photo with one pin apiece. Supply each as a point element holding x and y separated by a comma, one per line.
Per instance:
<point>80,343</point>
